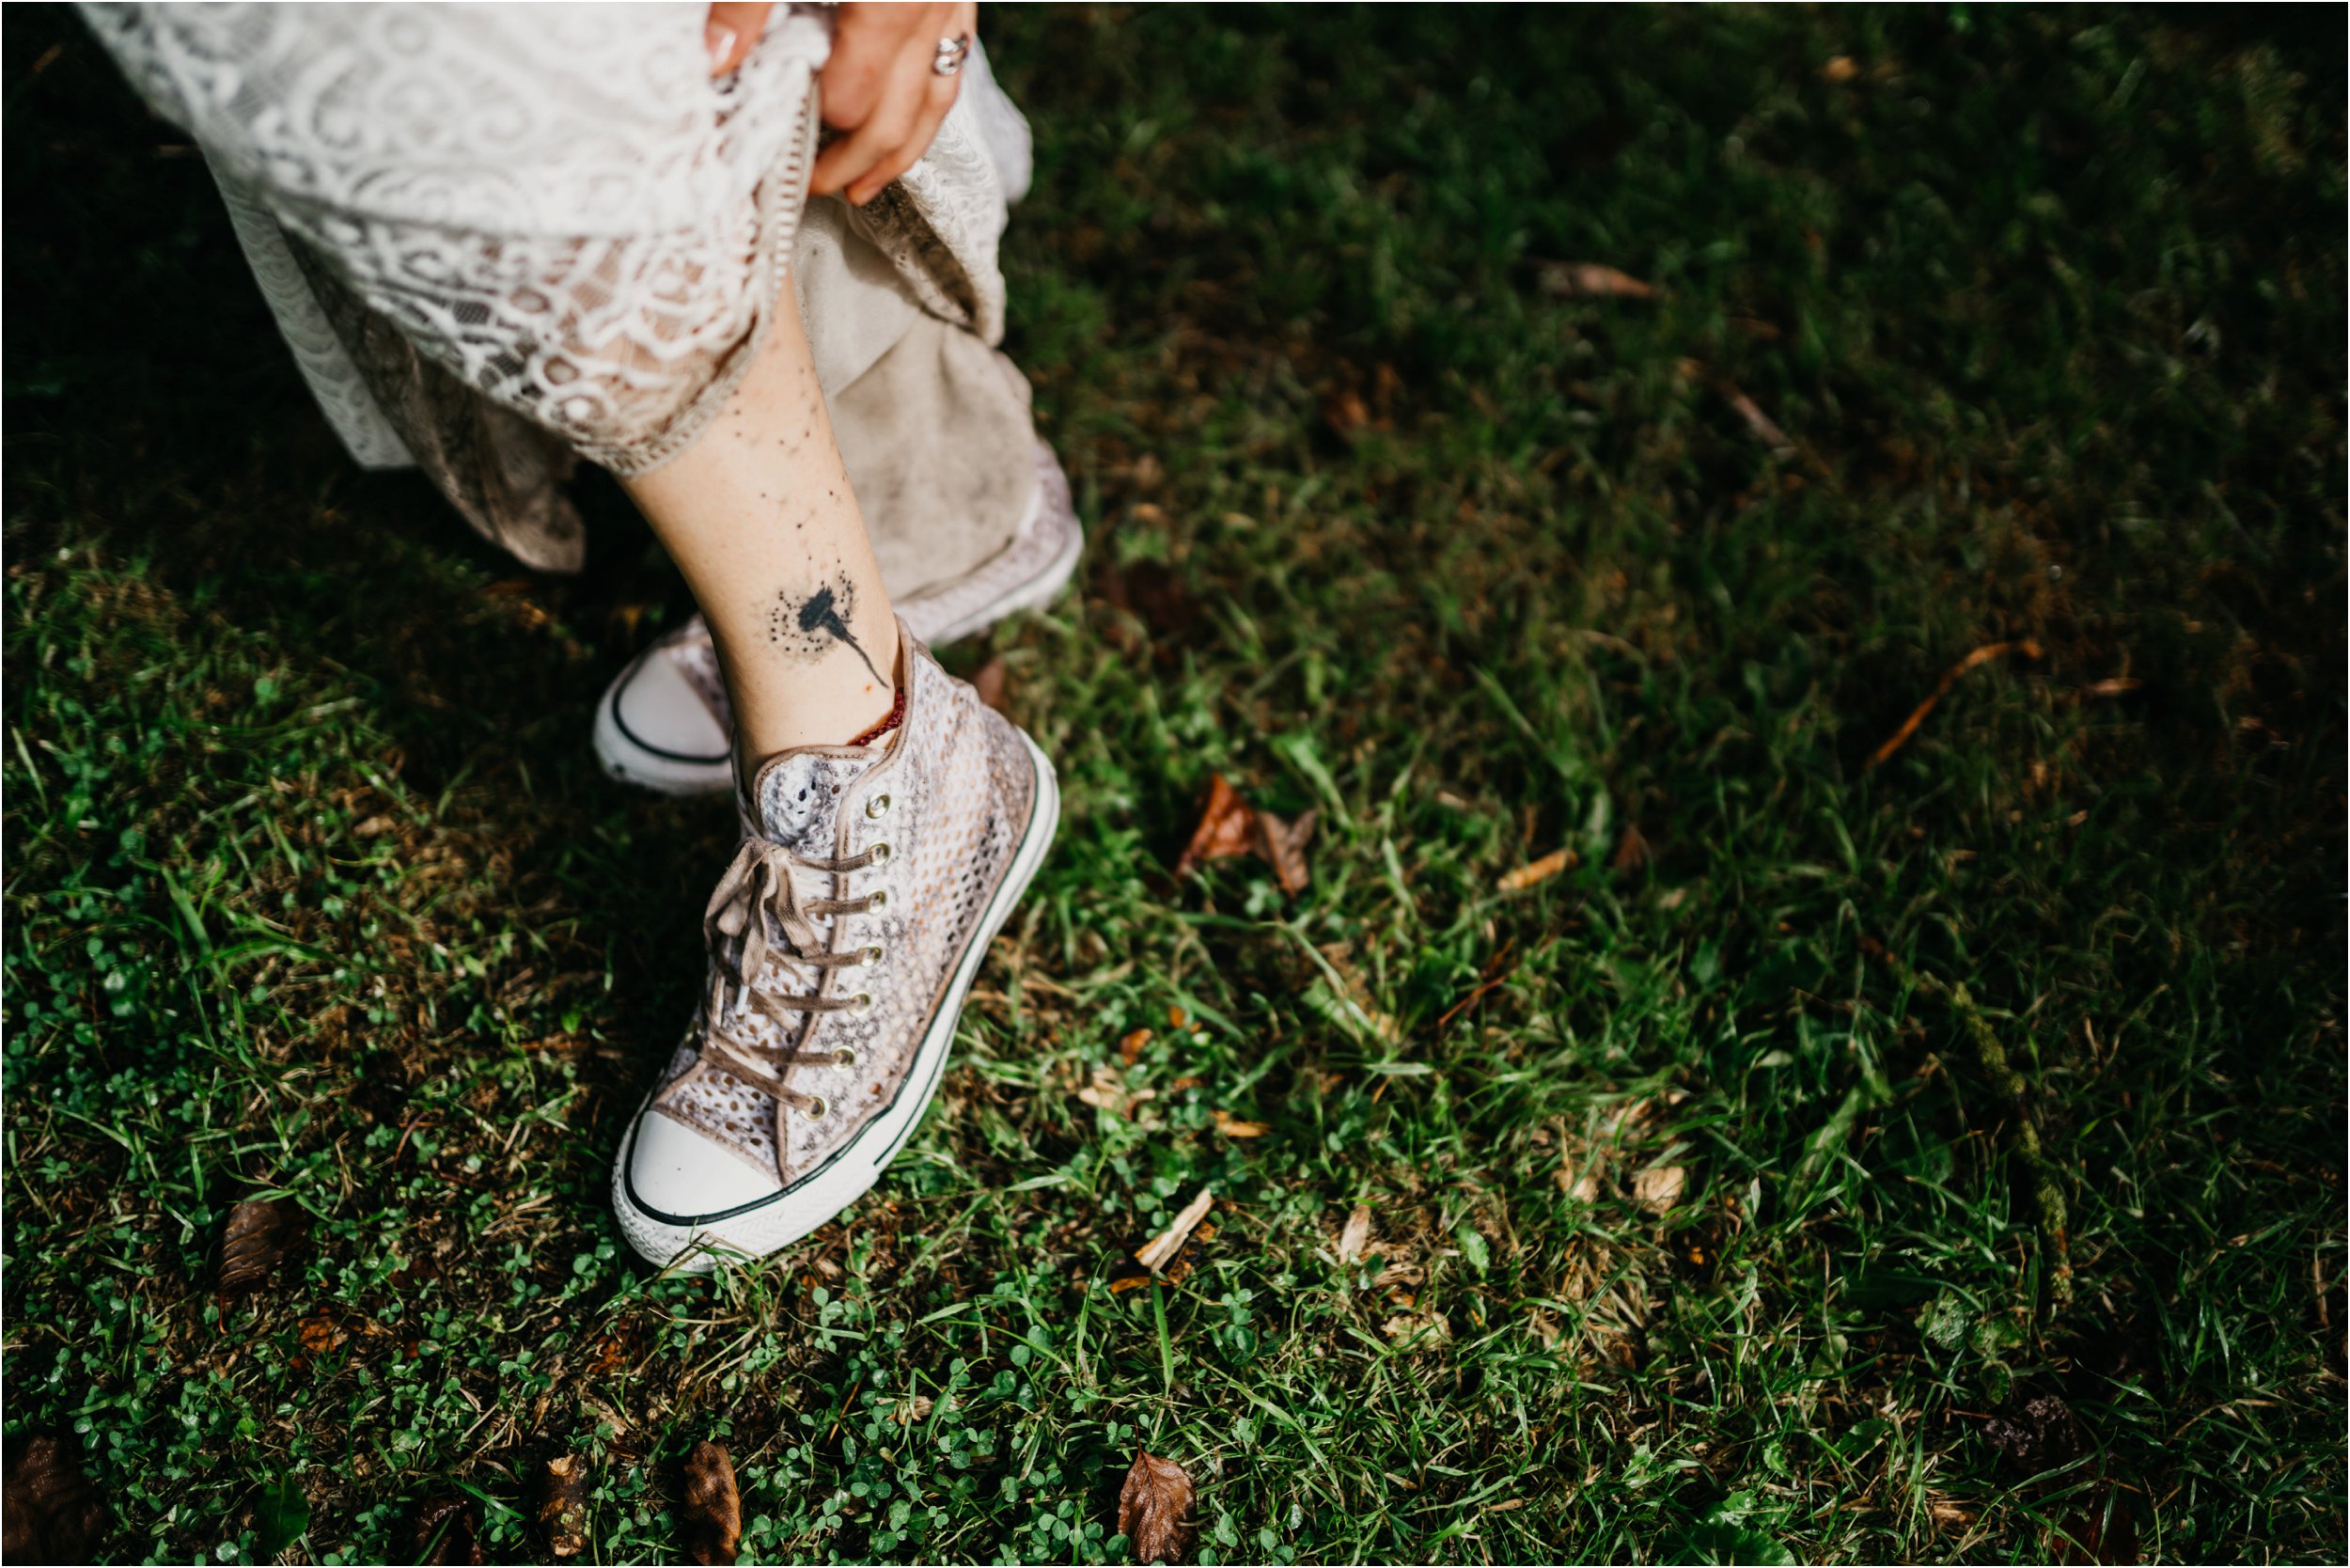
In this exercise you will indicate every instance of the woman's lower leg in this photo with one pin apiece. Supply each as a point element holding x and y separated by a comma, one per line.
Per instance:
<point>759,515</point>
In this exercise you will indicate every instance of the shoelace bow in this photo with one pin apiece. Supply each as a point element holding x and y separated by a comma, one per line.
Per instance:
<point>757,888</point>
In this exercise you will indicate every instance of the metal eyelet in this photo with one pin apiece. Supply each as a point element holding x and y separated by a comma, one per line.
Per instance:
<point>872,956</point>
<point>862,1001</point>
<point>880,853</point>
<point>877,898</point>
<point>844,1058</point>
<point>816,1111</point>
<point>878,806</point>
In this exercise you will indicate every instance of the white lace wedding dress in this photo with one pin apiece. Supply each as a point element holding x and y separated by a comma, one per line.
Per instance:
<point>497,235</point>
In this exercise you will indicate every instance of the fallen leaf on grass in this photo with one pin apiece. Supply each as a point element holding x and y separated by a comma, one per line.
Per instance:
<point>1538,871</point>
<point>1407,1326</point>
<point>1357,1235</point>
<point>1169,1256</point>
<point>1232,1126</point>
<point>1345,411</point>
<point>1839,67</point>
<point>2118,685</point>
<point>563,1504</point>
<point>1229,826</point>
<point>1107,1090</point>
<point>1949,1514</point>
<point>256,1239</point>
<point>1755,421</point>
<point>445,1532</point>
<point>1594,280</point>
<point>1659,1187</point>
<point>48,1511</point>
<point>1163,1246</point>
<point>989,682</point>
<point>1128,1273</point>
<point>2027,647</point>
<point>1154,1509</point>
<point>1631,850</point>
<point>1129,1045</point>
<point>713,1511</point>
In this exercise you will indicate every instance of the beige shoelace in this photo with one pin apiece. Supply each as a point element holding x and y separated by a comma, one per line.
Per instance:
<point>758,887</point>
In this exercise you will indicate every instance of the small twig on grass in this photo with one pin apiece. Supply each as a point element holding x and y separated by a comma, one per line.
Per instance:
<point>2027,647</point>
<point>2047,1186</point>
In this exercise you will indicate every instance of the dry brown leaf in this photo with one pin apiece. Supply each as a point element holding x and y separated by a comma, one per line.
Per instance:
<point>2118,685</point>
<point>1631,850</point>
<point>563,1504</point>
<point>1229,826</point>
<point>445,1532</point>
<point>914,1411</point>
<point>989,682</point>
<point>1107,1090</point>
<point>1405,1327</point>
<point>1948,1513</point>
<point>256,1237</point>
<point>49,1512</point>
<point>1226,828</point>
<point>713,1511</point>
<point>1159,1248</point>
<point>323,1332</point>
<point>1357,1235</point>
<point>1129,1045</point>
<point>1128,1273</point>
<point>1839,67</point>
<point>1594,280</point>
<point>2027,647</point>
<point>1755,421</point>
<point>1659,1187</point>
<point>1154,1509</point>
<point>1538,871</point>
<point>1583,1187</point>
<point>374,828</point>
<point>1232,1126</point>
<point>1346,411</point>
<point>1283,844</point>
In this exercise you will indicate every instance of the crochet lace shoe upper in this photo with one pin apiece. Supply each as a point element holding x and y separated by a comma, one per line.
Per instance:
<point>842,940</point>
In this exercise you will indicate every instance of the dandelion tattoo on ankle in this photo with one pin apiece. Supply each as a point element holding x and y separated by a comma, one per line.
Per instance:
<point>808,626</point>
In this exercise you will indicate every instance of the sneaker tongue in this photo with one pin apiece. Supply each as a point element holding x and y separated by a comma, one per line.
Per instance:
<point>799,795</point>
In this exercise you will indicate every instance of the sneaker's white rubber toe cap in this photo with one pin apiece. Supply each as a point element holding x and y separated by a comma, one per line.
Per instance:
<point>682,1198</point>
<point>676,1170</point>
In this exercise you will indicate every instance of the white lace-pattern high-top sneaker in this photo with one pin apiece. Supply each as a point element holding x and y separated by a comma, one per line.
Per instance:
<point>664,722</point>
<point>843,939</point>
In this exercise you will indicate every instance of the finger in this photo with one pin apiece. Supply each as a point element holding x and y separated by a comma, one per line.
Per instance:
<point>940,98</point>
<point>858,72</point>
<point>730,31</point>
<point>884,131</point>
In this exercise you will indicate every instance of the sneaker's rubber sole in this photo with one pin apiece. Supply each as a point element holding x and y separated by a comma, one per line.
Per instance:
<point>696,1244</point>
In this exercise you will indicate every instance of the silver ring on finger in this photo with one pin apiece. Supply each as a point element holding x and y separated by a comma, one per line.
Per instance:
<point>951,52</point>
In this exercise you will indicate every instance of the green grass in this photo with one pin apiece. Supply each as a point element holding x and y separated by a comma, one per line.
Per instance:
<point>314,888</point>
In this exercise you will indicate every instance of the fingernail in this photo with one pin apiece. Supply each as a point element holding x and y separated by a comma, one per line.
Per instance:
<point>719,40</point>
